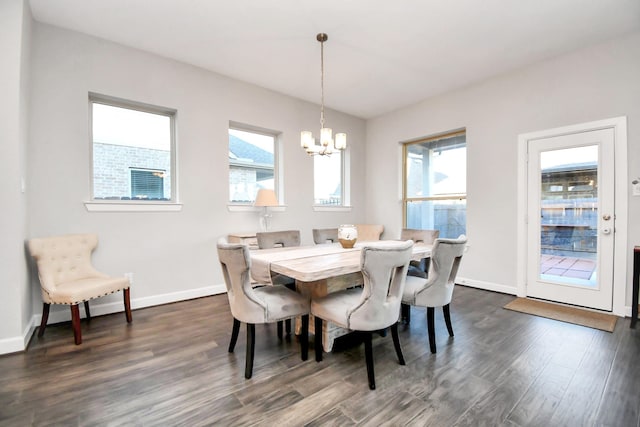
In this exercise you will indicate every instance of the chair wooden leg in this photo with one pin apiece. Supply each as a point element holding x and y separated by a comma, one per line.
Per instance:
<point>75,323</point>
<point>127,304</point>
<point>431,328</point>
<point>318,338</point>
<point>251,342</point>
<point>396,343</point>
<point>368,355</point>
<point>279,327</point>
<point>405,313</point>
<point>234,335</point>
<point>45,318</point>
<point>304,338</point>
<point>447,319</point>
<point>86,310</point>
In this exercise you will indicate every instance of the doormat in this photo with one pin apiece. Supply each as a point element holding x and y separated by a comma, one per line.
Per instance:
<point>578,316</point>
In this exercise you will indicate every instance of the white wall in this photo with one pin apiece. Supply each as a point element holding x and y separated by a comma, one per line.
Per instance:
<point>172,254</point>
<point>15,310</point>
<point>591,84</point>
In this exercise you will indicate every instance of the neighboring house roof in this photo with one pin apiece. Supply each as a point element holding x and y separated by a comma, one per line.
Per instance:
<point>242,152</point>
<point>572,167</point>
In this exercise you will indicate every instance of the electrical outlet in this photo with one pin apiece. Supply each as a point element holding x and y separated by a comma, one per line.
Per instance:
<point>130,277</point>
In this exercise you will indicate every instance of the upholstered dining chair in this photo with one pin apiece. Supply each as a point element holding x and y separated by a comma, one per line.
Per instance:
<point>373,307</point>
<point>437,289</point>
<point>280,239</point>
<point>265,304</point>
<point>325,235</point>
<point>369,232</point>
<point>68,277</point>
<point>419,268</point>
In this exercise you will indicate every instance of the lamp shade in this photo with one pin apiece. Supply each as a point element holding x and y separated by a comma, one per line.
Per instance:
<point>266,197</point>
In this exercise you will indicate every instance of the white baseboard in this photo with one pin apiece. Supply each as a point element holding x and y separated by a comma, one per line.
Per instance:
<point>487,286</point>
<point>19,343</point>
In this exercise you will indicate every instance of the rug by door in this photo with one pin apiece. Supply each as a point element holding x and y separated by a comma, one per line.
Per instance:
<point>590,319</point>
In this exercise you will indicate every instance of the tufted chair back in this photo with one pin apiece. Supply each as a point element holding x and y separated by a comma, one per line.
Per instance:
<point>278,239</point>
<point>63,259</point>
<point>384,268</point>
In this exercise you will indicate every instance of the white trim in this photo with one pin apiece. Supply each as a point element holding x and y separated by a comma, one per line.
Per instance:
<point>251,208</point>
<point>321,208</point>
<point>109,206</point>
<point>487,286</point>
<point>19,343</point>
<point>619,125</point>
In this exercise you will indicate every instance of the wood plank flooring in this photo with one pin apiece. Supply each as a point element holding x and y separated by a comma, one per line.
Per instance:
<point>171,367</point>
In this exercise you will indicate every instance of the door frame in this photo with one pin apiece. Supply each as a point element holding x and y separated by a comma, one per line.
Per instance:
<point>619,126</point>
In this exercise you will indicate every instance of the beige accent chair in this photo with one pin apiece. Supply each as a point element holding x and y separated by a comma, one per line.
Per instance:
<point>369,232</point>
<point>265,304</point>
<point>67,277</point>
<point>437,289</point>
<point>280,239</point>
<point>419,268</point>
<point>375,306</point>
<point>325,235</point>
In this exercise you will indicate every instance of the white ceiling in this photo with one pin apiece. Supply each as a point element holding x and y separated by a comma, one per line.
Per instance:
<point>381,54</point>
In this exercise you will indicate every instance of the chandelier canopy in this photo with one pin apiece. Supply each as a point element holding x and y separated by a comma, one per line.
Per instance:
<point>327,143</point>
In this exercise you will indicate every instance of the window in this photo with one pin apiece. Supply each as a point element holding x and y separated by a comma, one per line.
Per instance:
<point>147,184</point>
<point>434,184</point>
<point>133,151</point>
<point>251,163</point>
<point>327,180</point>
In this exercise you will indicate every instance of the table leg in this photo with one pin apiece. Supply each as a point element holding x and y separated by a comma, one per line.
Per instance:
<point>636,285</point>
<point>321,288</point>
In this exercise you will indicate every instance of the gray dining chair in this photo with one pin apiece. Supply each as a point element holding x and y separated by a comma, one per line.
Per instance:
<point>437,289</point>
<point>265,304</point>
<point>375,306</point>
<point>427,237</point>
<point>280,239</point>
<point>325,235</point>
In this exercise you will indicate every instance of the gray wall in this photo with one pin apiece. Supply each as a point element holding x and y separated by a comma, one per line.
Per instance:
<point>15,304</point>
<point>172,254</point>
<point>600,82</point>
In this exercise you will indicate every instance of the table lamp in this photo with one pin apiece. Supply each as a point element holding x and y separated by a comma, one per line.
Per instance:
<point>264,199</point>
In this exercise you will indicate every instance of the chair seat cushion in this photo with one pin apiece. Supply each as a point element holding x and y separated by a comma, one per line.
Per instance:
<point>412,285</point>
<point>335,306</point>
<point>85,289</point>
<point>281,303</point>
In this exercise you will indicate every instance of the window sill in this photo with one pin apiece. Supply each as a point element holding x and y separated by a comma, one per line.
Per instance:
<point>322,208</point>
<point>251,208</point>
<point>110,206</point>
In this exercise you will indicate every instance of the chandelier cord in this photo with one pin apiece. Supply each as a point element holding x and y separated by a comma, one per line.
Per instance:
<point>321,84</point>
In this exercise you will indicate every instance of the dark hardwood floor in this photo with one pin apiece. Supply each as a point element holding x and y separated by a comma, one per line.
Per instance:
<point>171,367</point>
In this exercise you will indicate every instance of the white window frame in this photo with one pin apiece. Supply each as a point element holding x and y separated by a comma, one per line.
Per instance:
<point>277,170</point>
<point>345,206</point>
<point>406,199</point>
<point>100,205</point>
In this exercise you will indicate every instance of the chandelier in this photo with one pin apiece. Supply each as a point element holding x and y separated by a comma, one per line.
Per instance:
<point>327,144</point>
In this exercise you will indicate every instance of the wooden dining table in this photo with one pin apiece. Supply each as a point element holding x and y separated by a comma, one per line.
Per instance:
<point>318,270</point>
